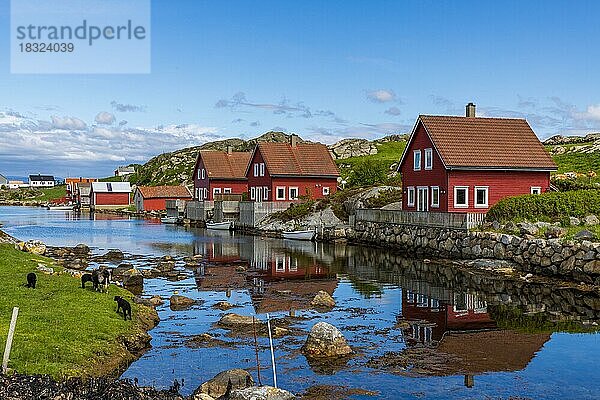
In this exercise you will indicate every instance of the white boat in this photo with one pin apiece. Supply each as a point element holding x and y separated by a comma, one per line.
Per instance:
<point>299,235</point>
<point>168,220</point>
<point>60,208</point>
<point>221,226</point>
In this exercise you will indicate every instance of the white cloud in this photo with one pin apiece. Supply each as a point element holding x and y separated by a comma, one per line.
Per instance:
<point>105,118</point>
<point>395,111</point>
<point>591,113</point>
<point>381,95</point>
<point>68,123</point>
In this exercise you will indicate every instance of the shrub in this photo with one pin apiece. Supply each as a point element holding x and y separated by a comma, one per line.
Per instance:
<point>547,206</point>
<point>574,184</point>
<point>368,172</point>
<point>385,197</point>
<point>294,211</point>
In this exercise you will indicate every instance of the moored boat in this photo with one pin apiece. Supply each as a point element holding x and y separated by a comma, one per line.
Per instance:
<point>168,220</point>
<point>299,235</point>
<point>60,207</point>
<point>222,226</point>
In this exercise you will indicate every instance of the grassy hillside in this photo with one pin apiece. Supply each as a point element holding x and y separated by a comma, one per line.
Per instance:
<point>62,330</point>
<point>31,194</point>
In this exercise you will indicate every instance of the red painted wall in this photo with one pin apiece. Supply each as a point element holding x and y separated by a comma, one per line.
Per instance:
<point>501,184</point>
<point>237,186</point>
<point>199,183</point>
<point>110,199</point>
<point>158,204</point>
<point>313,187</point>
<point>437,176</point>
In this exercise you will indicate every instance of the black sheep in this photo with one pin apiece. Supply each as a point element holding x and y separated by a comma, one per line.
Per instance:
<point>85,278</point>
<point>123,305</point>
<point>31,280</point>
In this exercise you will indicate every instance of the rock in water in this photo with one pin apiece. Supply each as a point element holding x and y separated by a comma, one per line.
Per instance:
<point>234,320</point>
<point>217,386</point>
<point>114,255</point>
<point>223,305</point>
<point>177,302</point>
<point>323,300</point>
<point>261,393</point>
<point>325,340</point>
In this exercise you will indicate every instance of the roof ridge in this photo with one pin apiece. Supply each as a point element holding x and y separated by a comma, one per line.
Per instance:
<point>473,118</point>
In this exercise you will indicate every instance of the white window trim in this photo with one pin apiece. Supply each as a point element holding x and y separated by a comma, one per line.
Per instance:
<point>456,205</point>
<point>205,193</point>
<point>430,153</point>
<point>255,169</point>
<point>326,191</point>
<point>203,173</point>
<point>277,197</point>
<point>536,188</point>
<point>227,190</point>
<point>262,169</point>
<point>252,193</point>
<point>436,188</point>
<point>410,190</point>
<point>415,166</point>
<point>216,191</point>
<point>487,197</point>
<point>290,193</point>
<point>266,193</point>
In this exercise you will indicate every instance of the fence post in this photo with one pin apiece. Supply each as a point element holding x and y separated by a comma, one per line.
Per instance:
<point>9,339</point>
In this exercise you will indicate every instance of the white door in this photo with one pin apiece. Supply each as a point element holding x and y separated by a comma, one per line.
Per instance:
<point>422,199</point>
<point>259,194</point>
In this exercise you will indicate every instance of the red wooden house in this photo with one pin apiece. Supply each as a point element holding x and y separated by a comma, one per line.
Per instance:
<point>219,172</point>
<point>110,195</point>
<point>286,171</point>
<point>73,187</point>
<point>149,198</point>
<point>467,164</point>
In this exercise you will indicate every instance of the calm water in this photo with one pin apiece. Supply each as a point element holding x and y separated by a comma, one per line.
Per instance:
<point>504,339</point>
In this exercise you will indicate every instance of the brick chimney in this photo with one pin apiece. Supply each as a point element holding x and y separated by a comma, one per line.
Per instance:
<point>293,140</point>
<point>470,110</point>
<point>229,149</point>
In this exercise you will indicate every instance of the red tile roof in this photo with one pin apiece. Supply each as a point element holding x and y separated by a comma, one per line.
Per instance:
<point>155,192</point>
<point>223,165</point>
<point>304,159</point>
<point>475,142</point>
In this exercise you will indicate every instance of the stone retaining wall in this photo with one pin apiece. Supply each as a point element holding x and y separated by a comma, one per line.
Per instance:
<point>577,261</point>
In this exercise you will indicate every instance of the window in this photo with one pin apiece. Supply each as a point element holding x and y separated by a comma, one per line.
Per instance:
<point>481,196</point>
<point>325,190</point>
<point>255,169</point>
<point>280,193</point>
<point>293,195</point>
<point>410,196</point>
<point>216,191</point>
<point>205,193</point>
<point>279,264</point>
<point>461,196</point>
<point>227,190</point>
<point>417,160</point>
<point>428,158</point>
<point>262,169</point>
<point>435,196</point>
<point>266,193</point>
<point>252,193</point>
<point>203,173</point>
<point>536,190</point>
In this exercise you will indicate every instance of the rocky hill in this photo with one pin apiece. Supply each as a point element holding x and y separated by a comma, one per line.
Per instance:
<point>176,168</point>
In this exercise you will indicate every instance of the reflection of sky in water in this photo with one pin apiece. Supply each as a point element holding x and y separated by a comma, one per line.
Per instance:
<point>563,368</point>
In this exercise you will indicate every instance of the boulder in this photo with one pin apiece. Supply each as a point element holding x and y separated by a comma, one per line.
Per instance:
<point>217,386</point>
<point>177,302</point>
<point>574,221</point>
<point>554,232</point>
<point>591,220</point>
<point>44,269</point>
<point>347,148</point>
<point>232,320</point>
<point>81,249</point>
<point>323,300</point>
<point>584,235</point>
<point>527,228</point>
<point>201,396</point>
<point>223,305</point>
<point>325,340</point>
<point>32,246</point>
<point>156,301</point>
<point>114,255</point>
<point>261,393</point>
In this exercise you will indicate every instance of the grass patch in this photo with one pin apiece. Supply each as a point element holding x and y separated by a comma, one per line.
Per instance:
<point>372,169</point>
<point>54,193</point>
<point>294,211</point>
<point>62,330</point>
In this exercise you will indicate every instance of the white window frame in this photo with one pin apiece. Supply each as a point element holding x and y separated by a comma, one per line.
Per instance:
<point>410,193</point>
<point>456,189</point>
<point>227,190</point>
<point>277,196</point>
<point>534,189</point>
<point>205,193</point>
<point>255,169</point>
<point>265,193</point>
<point>487,196</point>
<point>435,189</point>
<point>252,193</point>
<point>203,173</point>
<point>416,167</point>
<point>216,191</point>
<point>290,193</point>
<point>262,169</point>
<point>280,263</point>
<point>326,191</point>
<point>429,156</point>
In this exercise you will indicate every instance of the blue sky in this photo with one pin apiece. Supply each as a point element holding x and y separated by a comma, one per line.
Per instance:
<point>325,70</point>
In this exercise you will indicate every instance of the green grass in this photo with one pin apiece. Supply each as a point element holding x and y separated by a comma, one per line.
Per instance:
<point>111,179</point>
<point>62,330</point>
<point>54,193</point>
<point>577,161</point>
<point>388,153</point>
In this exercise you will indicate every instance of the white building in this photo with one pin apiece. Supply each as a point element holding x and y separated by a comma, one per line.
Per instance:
<point>41,181</point>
